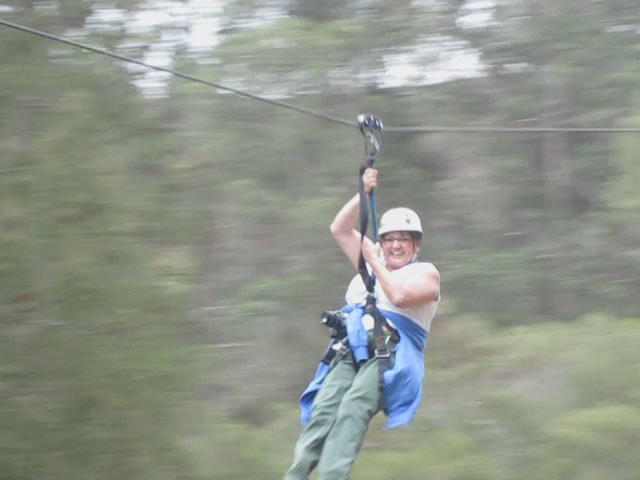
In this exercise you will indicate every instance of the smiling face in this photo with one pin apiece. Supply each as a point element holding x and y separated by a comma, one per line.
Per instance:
<point>399,248</point>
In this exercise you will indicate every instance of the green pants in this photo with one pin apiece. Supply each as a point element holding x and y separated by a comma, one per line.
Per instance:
<point>340,415</point>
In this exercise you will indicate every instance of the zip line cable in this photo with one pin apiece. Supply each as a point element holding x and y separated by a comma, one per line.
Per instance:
<point>176,73</point>
<point>307,111</point>
<point>427,129</point>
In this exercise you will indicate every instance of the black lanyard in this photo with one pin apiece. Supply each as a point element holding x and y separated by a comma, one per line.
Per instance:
<point>368,125</point>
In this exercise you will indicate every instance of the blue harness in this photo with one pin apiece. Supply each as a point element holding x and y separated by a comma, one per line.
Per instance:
<point>402,382</point>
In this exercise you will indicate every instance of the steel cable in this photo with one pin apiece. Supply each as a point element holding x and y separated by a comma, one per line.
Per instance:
<point>308,111</point>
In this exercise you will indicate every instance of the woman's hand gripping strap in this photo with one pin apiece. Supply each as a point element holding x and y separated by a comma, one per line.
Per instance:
<point>368,125</point>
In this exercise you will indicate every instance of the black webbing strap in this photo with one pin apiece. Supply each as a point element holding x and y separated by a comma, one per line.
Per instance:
<point>369,280</point>
<point>368,124</point>
<point>382,352</point>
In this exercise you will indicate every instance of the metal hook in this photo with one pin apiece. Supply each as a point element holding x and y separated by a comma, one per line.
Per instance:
<point>372,146</point>
<point>369,124</point>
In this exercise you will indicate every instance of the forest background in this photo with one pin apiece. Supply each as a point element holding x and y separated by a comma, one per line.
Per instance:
<point>165,254</point>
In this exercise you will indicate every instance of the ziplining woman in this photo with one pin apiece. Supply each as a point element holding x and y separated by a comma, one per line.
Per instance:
<point>346,393</point>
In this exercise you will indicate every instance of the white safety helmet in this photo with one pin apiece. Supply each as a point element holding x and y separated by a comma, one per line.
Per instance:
<point>400,219</point>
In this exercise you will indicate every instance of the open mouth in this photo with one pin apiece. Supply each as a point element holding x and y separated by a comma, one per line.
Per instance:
<point>396,254</point>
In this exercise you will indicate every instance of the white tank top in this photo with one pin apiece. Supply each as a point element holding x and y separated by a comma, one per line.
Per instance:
<point>420,314</point>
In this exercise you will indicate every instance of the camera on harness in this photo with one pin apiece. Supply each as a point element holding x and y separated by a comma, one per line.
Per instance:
<point>336,321</point>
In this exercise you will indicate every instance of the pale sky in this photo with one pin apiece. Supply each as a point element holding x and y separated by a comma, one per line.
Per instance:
<point>447,57</point>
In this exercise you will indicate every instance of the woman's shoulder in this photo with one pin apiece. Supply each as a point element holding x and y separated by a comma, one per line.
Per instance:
<point>420,266</point>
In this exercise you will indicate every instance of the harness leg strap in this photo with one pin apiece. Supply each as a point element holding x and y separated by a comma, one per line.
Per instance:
<point>382,352</point>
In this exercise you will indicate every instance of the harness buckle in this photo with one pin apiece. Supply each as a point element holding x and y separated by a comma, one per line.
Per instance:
<point>382,351</point>
<point>383,354</point>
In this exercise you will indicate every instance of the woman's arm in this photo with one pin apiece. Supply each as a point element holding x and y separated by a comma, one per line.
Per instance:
<point>412,285</point>
<point>347,238</point>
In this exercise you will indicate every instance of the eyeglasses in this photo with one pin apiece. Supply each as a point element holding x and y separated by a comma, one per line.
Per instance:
<point>388,240</point>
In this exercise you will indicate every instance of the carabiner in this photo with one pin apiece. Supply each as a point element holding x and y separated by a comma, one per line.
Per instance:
<point>369,126</point>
